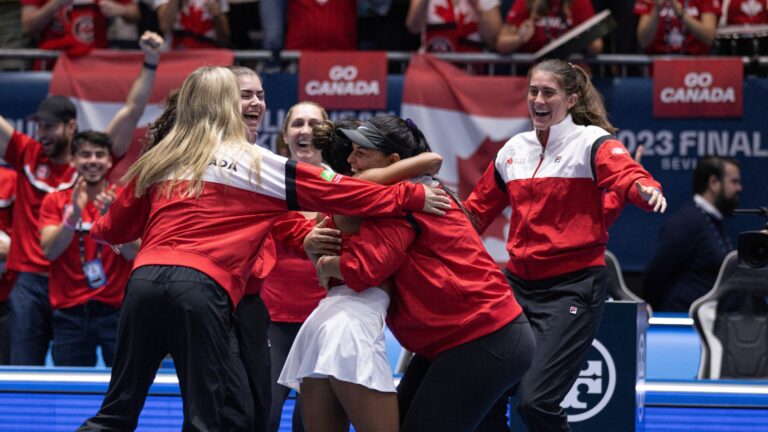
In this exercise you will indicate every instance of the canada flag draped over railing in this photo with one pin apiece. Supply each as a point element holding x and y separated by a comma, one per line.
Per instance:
<point>466,119</point>
<point>99,83</point>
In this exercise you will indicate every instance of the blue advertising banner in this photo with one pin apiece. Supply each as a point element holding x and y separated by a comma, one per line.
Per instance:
<point>672,147</point>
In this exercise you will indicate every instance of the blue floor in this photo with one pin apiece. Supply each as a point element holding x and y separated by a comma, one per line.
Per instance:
<point>21,412</point>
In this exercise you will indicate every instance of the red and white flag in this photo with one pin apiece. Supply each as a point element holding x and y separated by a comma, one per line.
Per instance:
<point>98,85</point>
<point>466,119</point>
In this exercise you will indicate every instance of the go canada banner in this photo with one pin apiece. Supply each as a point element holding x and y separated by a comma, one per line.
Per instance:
<point>344,79</point>
<point>98,85</point>
<point>466,119</point>
<point>702,87</point>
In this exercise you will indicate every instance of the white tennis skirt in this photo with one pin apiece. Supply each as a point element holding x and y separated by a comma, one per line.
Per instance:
<point>343,338</point>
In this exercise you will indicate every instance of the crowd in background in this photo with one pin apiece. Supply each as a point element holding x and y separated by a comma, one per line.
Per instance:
<point>503,26</point>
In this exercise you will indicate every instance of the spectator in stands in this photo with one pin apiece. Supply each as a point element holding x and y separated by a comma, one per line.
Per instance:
<point>291,291</point>
<point>73,26</point>
<point>743,12</point>
<point>272,24</point>
<point>381,26</point>
<point>532,24</point>
<point>454,25</point>
<point>555,177</point>
<point>244,23</point>
<point>188,24</point>
<point>321,25</point>
<point>675,27</point>
<point>10,36</point>
<point>693,241</point>
<point>44,166</point>
<point>87,280</point>
<point>7,277</point>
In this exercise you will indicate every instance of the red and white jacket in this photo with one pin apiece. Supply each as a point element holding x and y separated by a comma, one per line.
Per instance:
<point>448,290</point>
<point>556,191</point>
<point>220,232</point>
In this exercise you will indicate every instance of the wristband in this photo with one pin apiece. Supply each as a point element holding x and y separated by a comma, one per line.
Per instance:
<point>150,66</point>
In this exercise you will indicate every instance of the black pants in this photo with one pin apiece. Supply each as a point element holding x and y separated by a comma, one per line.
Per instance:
<point>176,310</point>
<point>252,324</point>
<point>281,337</point>
<point>565,313</point>
<point>455,391</point>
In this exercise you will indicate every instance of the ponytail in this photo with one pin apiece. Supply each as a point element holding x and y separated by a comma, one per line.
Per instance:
<point>589,109</point>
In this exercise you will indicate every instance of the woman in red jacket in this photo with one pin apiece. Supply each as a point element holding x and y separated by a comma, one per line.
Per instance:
<point>555,178</point>
<point>202,200</point>
<point>450,304</point>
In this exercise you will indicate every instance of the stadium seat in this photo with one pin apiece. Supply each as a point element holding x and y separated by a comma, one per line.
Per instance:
<point>617,289</point>
<point>732,323</point>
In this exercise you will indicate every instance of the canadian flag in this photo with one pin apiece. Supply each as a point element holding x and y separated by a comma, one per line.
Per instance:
<point>466,119</point>
<point>98,85</point>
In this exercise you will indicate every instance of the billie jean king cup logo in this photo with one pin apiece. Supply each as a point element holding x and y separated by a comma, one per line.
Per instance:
<point>594,387</point>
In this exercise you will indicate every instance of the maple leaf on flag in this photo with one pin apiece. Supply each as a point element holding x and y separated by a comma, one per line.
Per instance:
<point>470,170</point>
<point>196,20</point>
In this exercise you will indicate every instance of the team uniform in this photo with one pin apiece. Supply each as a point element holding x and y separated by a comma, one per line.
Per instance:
<point>552,25</point>
<point>450,306</point>
<point>194,26</point>
<point>321,25</point>
<point>28,301</point>
<point>7,277</point>
<point>252,323</point>
<point>671,36</point>
<point>85,313</point>
<point>77,28</point>
<point>557,240</point>
<point>343,338</point>
<point>186,310</point>
<point>744,12</point>
<point>452,27</point>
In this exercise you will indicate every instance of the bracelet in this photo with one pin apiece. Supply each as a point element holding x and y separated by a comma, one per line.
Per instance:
<point>150,66</point>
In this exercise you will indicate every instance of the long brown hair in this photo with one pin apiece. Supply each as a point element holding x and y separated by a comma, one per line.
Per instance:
<point>589,108</point>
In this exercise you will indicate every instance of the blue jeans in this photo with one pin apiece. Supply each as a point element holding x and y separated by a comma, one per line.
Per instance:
<point>30,319</point>
<point>78,330</point>
<point>272,24</point>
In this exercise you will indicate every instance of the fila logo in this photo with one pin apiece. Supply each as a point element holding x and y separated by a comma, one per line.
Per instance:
<point>594,387</point>
<point>558,159</point>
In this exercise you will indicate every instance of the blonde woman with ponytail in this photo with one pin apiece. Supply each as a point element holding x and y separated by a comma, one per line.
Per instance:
<point>555,177</point>
<point>202,200</point>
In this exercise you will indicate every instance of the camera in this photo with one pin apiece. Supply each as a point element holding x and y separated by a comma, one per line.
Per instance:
<point>753,245</point>
<point>753,249</point>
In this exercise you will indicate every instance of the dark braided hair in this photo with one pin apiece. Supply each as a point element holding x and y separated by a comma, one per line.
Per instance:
<point>334,147</point>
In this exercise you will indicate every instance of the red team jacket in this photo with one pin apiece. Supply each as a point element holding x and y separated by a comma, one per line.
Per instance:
<point>557,224</point>
<point>220,232</point>
<point>448,290</point>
